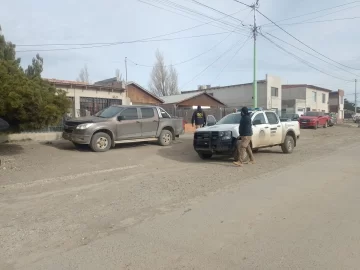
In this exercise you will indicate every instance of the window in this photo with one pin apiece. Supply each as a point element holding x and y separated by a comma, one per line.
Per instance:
<point>147,112</point>
<point>164,114</point>
<point>130,114</point>
<point>260,117</point>
<point>272,118</point>
<point>274,92</point>
<point>109,112</point>
<point>314,96</point>
<point>323,98</point>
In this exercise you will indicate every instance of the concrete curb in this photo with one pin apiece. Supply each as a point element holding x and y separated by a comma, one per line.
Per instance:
<point>38,137</point>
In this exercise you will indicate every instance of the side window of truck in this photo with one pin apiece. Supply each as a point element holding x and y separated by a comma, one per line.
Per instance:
<point>164,114</point>
<point>260,117</point>
<point>147,113</point>
<point>272,118</point>
<point>130,114</point>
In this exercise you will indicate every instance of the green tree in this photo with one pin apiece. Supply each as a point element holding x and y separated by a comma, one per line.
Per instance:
<point>27,101</point>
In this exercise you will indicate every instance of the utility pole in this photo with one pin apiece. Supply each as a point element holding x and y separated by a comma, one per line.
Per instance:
<point>355,97</point>
<point>255,30</point>
<point>126,77</point>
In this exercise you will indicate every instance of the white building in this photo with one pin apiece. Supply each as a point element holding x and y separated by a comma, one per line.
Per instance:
<point>236,96</point>
<point>88,99</point>
<point>312,98</point>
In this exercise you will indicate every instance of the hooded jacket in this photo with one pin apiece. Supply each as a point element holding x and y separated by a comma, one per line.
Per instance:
<point>245,127</point>
<point>198,117</point>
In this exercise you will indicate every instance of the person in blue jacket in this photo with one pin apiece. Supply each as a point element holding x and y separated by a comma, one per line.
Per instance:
<point>244,140</point>
<point>198,118</point>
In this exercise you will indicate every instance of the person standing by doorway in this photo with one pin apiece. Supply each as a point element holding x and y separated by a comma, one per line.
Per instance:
<point>198,118</point>
<point>244,140</point>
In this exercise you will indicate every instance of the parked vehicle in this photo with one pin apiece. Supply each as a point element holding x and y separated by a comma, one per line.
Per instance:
<point>289,117</point>
<point>268,131</point>
<point>356,118</point>
<point>123,124</point>
<point>3,125</point>
<point>314,120</point>
<point>333,118</point>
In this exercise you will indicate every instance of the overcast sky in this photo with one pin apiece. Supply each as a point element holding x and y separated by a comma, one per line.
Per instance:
<point>27,22</point>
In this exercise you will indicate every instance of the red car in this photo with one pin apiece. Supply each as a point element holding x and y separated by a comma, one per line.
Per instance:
<point>314,120</point>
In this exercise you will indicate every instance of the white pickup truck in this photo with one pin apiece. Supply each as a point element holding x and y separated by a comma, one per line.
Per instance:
<point>268,131</point>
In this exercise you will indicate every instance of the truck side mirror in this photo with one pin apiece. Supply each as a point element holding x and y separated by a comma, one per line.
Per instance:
<point>121,118</point>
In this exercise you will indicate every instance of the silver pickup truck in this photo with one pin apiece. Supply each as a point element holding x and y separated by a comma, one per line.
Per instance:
<point>123,124</point>
<point>268,131</point>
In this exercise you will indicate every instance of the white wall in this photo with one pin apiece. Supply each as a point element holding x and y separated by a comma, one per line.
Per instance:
<point>242,95</point>
<point>273,102</point>
<point>79,92</point>
<point>318,105</point>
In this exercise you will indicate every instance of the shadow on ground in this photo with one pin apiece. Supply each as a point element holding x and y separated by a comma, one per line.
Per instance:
<point>69,146</point>
<point>10,149</point>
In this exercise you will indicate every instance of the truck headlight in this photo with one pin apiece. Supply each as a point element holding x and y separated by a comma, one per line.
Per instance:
<point>84,126</point>
<point>225,135</point>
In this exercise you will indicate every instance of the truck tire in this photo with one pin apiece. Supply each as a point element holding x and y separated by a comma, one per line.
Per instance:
<point>255,150</point>
<point>288,146</point>
<point>205,155</point>
<point>165,138</point>
<point>100,142</point>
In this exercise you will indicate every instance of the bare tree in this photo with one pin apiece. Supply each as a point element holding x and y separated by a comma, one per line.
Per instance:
<point>163,80</point>
<point>84,75</point>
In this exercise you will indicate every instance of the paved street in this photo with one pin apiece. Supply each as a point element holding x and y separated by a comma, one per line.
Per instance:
<point>150,207</point>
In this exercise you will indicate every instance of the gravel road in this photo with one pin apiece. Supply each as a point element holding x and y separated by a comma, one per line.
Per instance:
<point>57,200</point>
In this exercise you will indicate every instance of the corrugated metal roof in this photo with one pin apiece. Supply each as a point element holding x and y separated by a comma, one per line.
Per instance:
<point>180,98</point>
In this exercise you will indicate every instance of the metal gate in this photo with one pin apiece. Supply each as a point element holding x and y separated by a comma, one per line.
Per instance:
<point>90,106</point>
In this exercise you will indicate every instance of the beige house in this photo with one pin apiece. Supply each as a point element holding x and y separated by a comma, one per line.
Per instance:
<point>88,99</point>
<point>313,98</point>
<point>236,96</point>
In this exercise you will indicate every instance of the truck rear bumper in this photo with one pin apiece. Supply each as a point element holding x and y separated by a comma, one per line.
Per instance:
<point>77,138</point>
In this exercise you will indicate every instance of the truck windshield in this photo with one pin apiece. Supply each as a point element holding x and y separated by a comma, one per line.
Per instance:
<point>233,118</point>
<point>109,112</point>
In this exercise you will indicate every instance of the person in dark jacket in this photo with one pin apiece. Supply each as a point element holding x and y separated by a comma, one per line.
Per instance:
<point>244,140</point>
<point>198,118</point>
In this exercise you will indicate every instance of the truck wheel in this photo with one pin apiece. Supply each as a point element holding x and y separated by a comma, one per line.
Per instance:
<point>288,146</point>
<point>165,138</point>
<point>326,125</point>
<point>100,142</point>
<point>255,150</point>
<point>205,155</point>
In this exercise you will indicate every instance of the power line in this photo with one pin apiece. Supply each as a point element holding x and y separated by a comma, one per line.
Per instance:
<point>237,51</point>
<point>312,55</point>
<point>305,22</point>
<point>119,43</point>
<point>303,42</point>
<point>303,61</point>
<point>228,50</point>
<point>188,60</point>
<point>158,36</point>
<point>188,10</point>
<point>314,12</point>
<point>214,9</point>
